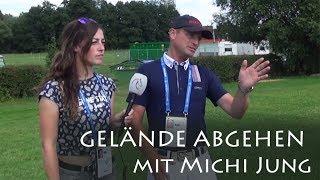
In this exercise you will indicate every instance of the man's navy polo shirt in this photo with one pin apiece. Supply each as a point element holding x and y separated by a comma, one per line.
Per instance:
<point>153,99</point>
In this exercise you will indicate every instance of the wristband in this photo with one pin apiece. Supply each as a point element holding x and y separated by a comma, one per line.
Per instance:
<point>245,92</point>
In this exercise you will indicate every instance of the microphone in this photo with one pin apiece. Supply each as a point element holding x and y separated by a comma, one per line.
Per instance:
<point>137,86</point>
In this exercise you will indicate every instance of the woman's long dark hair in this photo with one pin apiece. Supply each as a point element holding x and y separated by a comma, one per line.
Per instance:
<point>77,33</point>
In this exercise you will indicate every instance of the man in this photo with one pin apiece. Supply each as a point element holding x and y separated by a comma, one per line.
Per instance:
<point>175,98</point>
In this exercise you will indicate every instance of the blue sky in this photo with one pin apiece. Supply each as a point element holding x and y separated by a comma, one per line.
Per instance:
<point>202,9</point>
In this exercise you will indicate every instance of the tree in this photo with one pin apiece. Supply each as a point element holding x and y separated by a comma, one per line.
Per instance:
<point>131,22</point>
<point>164,2</point>
<point>33,30</point>
<point>80,8</point>
<point>124,23</point>
<point>52,49</point>
<point>9,20</point>
<point>5,36</point>
<point>292,28</point>
<point>1,16</point>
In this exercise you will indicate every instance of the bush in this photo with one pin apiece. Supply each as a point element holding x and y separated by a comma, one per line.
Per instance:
<point>227,67</point>
<point>19,81</point>
<point>4,95</point>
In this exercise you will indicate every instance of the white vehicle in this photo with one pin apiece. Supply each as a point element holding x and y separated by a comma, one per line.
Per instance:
<point>1,61</point>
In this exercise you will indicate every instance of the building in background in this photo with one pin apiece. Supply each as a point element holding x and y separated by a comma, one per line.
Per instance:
<point>220,47</point>
<point>224,48</point>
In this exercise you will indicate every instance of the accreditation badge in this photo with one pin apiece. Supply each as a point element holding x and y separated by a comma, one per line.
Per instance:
<point>174,124</point>
<point>104,161</point>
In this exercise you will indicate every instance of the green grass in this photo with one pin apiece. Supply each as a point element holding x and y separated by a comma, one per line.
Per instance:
<point>111,58</point>
<point>27,58</point>
<point>288,104</point>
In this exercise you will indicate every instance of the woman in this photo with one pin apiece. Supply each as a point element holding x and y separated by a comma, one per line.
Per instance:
<point>73,100</point>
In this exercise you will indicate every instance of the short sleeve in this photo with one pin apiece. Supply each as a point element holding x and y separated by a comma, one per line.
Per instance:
<point>108,85</point>
<point>215,89</point>
<point>51,91</point>
<point>111,84</point>
<point>142,100</point>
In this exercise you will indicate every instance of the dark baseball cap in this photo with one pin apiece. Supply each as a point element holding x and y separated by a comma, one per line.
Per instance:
<point>191,24</point>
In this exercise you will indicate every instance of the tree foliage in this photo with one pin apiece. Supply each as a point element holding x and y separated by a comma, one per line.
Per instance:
<point>5,35</point>
<point>123,23</point>
<point>292,28</point>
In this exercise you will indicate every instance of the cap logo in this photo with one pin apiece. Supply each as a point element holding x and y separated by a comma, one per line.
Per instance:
<point>138,83</point>
<point>194,22</point>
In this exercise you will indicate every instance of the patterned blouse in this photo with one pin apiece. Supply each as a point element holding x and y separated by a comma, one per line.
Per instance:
<point>98,93</point>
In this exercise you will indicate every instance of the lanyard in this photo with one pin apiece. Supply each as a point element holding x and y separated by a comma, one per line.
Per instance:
<point>87,109</point>
<point>167,91</point>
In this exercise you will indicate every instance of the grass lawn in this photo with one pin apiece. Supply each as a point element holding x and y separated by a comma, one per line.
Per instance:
<point>25,58</point>
<point>288,104</point>
<point>111,57</point>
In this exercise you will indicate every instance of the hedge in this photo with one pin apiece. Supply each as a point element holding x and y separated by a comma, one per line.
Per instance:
<point>19,81</point>
<point>227,67</point>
